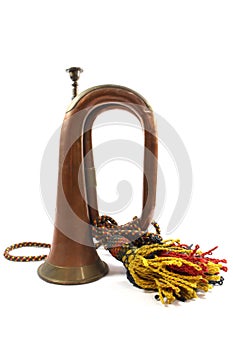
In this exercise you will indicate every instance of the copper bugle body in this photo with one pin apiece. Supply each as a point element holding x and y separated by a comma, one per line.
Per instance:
<point>73,258</point>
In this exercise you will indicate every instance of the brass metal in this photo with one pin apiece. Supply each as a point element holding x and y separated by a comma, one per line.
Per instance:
<point>75,100</point>
<point>72,275</point>
<point>74,73</point>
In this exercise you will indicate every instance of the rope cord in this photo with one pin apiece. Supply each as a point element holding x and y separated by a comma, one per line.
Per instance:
<point>174,270</point>
<point>21,258</point>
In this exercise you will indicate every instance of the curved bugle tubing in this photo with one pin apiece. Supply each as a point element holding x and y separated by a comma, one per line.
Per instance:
<point>73,258</point>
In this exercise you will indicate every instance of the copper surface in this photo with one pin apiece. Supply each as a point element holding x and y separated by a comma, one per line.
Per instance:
<point>72,244</point>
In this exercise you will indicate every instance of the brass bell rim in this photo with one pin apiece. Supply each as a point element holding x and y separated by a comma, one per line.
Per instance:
<point>79,96</point>
<point>72,275</point>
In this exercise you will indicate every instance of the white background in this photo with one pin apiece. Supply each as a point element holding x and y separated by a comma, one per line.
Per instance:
<point>178,54</point>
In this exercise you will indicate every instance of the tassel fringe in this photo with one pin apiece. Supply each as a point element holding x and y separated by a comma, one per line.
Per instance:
<point>174,270</point>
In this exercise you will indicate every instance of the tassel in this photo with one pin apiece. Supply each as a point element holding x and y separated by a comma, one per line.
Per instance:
<point>174,270</point>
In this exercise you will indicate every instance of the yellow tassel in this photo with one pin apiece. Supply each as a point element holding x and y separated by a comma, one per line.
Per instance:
<point>155,273</point>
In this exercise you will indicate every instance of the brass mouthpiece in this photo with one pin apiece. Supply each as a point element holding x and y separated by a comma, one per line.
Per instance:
<point>74,73</point>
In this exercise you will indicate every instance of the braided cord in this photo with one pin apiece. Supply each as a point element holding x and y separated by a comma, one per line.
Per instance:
<point>22,258</point>
<point>105,230</point>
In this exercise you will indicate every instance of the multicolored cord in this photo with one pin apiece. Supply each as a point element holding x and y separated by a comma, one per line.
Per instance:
<point>22,258</point>
<point>174,270</point>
